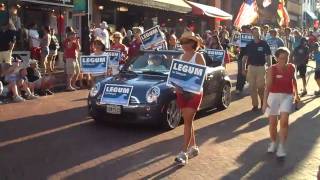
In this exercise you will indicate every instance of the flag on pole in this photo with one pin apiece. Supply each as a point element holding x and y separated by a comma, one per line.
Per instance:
<point>248,13</point>
<point>266,3</point>
<point>283,16</point>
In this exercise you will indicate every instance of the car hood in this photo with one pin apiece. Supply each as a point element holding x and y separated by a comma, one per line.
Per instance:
<point>141,83</point>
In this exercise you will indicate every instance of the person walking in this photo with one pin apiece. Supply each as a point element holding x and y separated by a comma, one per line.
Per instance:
<point>189,102</point>
<point>134,46</point>
<point>258,53</point>
<point>119,46</point>
<point>241,78</point>
<point>300,58</point>
<point>274,41</point>
<point>280,93</point>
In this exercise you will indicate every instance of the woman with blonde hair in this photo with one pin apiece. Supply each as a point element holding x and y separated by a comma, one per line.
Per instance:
<point>117,45</point>
<point>189,102</point>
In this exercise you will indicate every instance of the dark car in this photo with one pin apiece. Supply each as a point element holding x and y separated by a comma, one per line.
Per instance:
<point>152,101</point>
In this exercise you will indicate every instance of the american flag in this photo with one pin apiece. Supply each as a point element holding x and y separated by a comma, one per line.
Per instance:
<point>283,16</point>
<point>248,13</point>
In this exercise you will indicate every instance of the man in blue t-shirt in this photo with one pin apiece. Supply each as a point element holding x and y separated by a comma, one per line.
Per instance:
<point>274,41</point>
<point>258,53</point>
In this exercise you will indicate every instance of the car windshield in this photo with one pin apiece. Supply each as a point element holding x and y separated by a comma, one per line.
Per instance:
<point>153,62</point>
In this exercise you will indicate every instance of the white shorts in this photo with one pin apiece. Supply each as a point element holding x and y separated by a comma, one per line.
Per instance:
<point>278,103</point>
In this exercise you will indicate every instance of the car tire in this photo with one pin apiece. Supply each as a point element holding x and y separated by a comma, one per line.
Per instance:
<point>172,117</point>
<point>225,97</point>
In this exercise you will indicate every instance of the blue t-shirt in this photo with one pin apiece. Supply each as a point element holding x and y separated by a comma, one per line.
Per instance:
<point>274,43</point>
<point>317,58</point>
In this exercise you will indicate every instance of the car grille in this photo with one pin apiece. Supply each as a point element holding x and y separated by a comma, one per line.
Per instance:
<point>134,100</point>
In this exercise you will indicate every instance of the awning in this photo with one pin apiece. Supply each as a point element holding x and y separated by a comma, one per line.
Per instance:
<point>201,9</point>
<point>61,3</point>
<point>311,15</point>
<point>179,6</point>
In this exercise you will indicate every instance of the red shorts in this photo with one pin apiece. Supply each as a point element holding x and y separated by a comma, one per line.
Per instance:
<point>193,103</point>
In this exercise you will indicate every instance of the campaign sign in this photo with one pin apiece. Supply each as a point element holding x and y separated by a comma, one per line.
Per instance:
<point>235,39</point>
<point>116,94</point>
<point>188,76</point>
<point>94,64</point>
<point>273,46</point>
<point>151,37</point>
<point>216,54</point>
<point>161,46</point>
<point>114,57</point>
<point>245,39</point>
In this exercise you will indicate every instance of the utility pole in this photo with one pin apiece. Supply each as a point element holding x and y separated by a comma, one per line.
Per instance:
<point>85,40</point>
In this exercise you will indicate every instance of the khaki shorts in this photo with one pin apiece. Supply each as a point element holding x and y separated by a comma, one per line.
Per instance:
<point>5,57</point>
<point>72,67</point>
<point>256,76</point>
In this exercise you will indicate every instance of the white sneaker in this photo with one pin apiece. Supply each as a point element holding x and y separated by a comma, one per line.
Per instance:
<point>193,152</point>
<point>31,96</point>
<point>18,99</point>
<point>272,147</point>
<point>182,158</point>
<point>281,151</point>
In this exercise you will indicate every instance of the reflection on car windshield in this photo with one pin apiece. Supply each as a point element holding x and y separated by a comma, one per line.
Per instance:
<point>154,62</point>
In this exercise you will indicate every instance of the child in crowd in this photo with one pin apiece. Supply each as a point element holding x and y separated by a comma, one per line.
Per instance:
<point>317,71</point>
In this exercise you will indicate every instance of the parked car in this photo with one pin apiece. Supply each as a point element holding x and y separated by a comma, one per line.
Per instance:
<point>152,101</point>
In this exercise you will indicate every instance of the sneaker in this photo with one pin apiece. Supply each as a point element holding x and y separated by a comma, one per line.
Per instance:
<point>48,92</point>
<point>182,158</point>
<point>272,147</point>
<point>18,99</point>
<point>281,151</point>
<point>31,97</point>
<point>255,108</point>
<point>193,152</point>
<point>238,92</point>
<point>303,93</point>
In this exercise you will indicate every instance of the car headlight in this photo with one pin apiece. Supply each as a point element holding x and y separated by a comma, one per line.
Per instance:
<point>94,91</point>
<point>153,94</point>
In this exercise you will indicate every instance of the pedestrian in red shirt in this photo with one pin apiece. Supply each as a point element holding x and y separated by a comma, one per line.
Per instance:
<point>119,46</point>
<point>280,93</point>
<point>71,48</point>
<point>134,46</point>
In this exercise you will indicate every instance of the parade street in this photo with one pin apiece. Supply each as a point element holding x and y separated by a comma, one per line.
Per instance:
<point>53,138</point>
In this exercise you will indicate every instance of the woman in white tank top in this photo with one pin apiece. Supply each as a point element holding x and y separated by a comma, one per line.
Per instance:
<point>189,102</point>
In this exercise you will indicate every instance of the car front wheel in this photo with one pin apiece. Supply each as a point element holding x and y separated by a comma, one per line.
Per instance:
<point>173,115</point>
<point>225,97</point>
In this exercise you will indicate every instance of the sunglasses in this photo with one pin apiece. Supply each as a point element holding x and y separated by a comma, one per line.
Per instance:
<point>186,42</point>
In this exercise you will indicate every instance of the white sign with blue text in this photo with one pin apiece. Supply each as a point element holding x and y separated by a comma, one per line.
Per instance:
<point>216,54</point>
<point>116,94</point>
<point>94,64</point>
<point>114,57</point>
<point>245,39</point>
<point>188,76</point>
<point>151,37</point>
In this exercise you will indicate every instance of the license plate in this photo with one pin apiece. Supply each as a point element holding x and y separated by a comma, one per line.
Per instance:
<point>113,109</point>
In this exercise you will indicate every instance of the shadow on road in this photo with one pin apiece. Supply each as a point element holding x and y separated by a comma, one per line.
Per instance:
<point>89,151</point>
<point>255,164</point>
